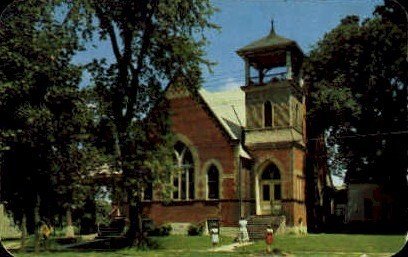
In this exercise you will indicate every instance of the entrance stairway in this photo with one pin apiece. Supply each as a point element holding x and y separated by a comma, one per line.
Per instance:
<point>107,232</point>
<point>257,225</point>
<point>114,230</point>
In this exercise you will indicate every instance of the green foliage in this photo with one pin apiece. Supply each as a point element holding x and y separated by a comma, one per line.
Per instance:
<point>47,121</point>
<point>44,130</point>
<point>155,44</point>
<point>163,230</point>
<point>102,212</point>
<point>357,98</point>
<point>195,230</point>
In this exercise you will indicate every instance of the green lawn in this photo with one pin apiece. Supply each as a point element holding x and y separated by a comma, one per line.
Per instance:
<point>333,245</point>
<point>320,245</point>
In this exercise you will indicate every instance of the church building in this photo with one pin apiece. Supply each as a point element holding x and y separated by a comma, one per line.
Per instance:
<point>241,152</point>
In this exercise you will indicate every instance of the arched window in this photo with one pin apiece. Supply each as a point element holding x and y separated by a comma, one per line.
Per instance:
<point>267,114</point>
<point>271,172</point>
<point>213,183</point>
<point>272,183</point>
<point>183,182</point>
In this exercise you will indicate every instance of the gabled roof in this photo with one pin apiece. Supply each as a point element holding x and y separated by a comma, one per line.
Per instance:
<point>229,109</point>
<point>226,107</point>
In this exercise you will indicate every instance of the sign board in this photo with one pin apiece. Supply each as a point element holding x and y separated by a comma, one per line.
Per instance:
<point>147,224</point>
<point>213,223</point>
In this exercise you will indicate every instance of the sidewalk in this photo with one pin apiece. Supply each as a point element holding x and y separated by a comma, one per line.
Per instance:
<point>230,247</point>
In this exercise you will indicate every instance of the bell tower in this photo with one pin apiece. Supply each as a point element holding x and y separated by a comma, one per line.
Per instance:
<point>273,86</point>
<point>275,134</point>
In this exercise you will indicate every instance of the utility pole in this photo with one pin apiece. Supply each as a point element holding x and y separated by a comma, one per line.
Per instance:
<point>239,165</point>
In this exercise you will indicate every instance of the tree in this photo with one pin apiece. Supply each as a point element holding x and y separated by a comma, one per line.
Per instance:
<point>155,44</point>
<point>357,88</point>
<point>45,116</point>
<point>74,155</point>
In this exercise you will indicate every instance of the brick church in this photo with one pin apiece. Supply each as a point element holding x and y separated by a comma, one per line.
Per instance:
<point>241,152</point>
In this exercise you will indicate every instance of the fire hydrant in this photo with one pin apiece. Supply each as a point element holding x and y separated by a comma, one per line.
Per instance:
<point>269,239</point>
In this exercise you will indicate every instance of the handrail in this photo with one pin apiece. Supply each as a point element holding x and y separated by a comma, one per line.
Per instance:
<point>278,74</point>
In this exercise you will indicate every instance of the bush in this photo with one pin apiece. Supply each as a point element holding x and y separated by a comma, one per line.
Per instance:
<point>161,231</point>
<point>195,230</point>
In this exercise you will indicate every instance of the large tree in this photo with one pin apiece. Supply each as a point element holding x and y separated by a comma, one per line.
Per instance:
<point>155,44</point>
<point>357,85</point>
<point>46,119</point>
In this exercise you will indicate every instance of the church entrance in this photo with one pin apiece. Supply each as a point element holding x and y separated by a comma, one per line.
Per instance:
<point>270,191</point>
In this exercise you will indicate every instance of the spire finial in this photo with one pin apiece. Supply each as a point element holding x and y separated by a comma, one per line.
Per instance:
<point>272,27</point>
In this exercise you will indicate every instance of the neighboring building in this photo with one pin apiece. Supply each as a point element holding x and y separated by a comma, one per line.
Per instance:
<point>242,152</point>
<point>362,207</point>
<point>340,204</point>
<point>367,202</point>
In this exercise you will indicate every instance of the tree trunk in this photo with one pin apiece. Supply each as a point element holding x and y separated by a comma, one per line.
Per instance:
<point>23,232</point>
<point>37,225</point>
<point>135,234</point>
<point>69,232</point>
<point>316,169</point>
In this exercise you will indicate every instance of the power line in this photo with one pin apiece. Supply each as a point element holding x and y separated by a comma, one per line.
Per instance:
<point>398,132</point>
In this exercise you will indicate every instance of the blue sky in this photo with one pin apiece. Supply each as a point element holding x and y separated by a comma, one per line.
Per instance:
<point>305,21</point>
<point>243,21</point>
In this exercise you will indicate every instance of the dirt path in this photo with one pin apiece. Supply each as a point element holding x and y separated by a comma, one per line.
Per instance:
<point>230,247</point>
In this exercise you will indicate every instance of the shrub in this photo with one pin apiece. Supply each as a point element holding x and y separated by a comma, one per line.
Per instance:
<point>161,231</point>
<point>195,230</point>
<point>165,230</point>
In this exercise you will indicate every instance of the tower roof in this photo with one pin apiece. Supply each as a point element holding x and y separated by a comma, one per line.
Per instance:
<point>272,41</point>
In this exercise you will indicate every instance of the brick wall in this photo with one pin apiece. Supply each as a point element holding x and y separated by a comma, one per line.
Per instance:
<point>197,211</point>
<point>290,162</point>
<point>195,126</point>
<point>185,211</point>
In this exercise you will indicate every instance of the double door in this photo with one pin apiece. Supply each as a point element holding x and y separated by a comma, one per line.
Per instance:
<point>270,196</point>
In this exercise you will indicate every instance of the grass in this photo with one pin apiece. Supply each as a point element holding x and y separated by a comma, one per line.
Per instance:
<point>333,245</point>
<point>314,245</point>
<point>189,243</point>
<point>168,246</point>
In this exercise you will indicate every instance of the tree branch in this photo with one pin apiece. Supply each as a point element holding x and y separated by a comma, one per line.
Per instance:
<point>139,66</point>
<point>105,23</point>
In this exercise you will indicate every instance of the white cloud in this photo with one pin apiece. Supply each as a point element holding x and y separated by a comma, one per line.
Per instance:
<point>228,84</point>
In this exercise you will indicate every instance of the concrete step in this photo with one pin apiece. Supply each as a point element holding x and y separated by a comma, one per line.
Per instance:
<point>257,225</point>
<point>108,232</point>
